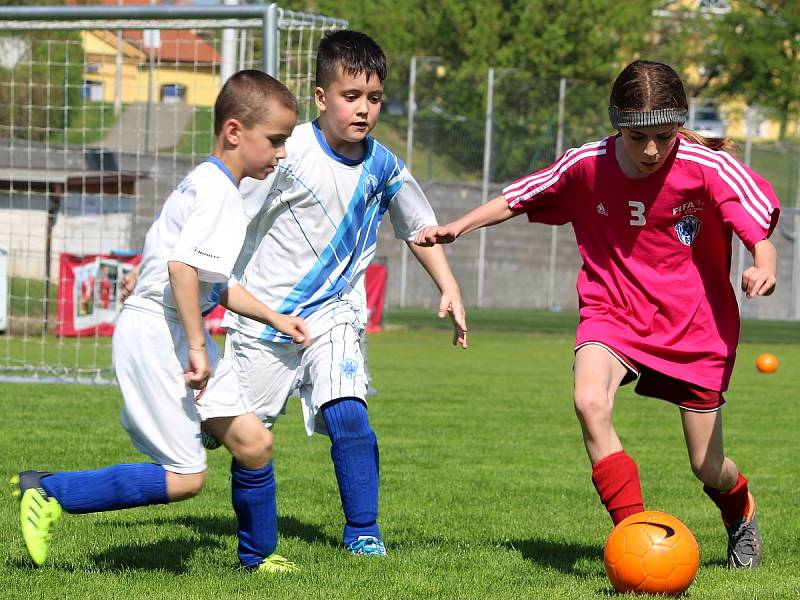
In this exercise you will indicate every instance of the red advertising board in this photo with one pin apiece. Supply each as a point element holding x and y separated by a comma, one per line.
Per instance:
<point>89,294</point>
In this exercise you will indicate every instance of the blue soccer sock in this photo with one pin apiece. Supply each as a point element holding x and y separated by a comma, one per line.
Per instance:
<point>111,488</point>
<point>253,497</point>
<point>354,451</point>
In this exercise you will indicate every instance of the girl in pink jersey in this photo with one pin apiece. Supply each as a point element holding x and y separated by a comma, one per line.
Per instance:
<point>653,208</point>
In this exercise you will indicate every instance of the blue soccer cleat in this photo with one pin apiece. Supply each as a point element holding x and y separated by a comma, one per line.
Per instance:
<point>367,545</point>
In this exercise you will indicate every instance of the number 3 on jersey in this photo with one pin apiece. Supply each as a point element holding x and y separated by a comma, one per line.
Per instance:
<point>637,213</point>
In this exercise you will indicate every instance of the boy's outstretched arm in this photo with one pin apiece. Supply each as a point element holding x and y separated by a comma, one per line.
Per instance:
<point>239,300</point>
<point>760,279</point>
<point>493,212</point>
<point>435,263</point>
<point>185,283</point>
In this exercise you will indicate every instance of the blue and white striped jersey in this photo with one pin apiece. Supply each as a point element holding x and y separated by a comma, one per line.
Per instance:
<point>307,251</point>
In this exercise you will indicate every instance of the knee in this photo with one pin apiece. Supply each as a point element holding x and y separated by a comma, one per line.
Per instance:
<point>591,405</point>
<point>182,486</point>
<point>254,452</point>
<point>707,470</point>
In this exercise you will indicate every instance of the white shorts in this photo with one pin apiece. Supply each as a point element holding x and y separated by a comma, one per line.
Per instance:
<point>331,367</point>
<point>160,413</point>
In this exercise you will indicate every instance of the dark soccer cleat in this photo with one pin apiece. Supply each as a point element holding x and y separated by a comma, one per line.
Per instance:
<point>38,512</point>
<point>744,540</point>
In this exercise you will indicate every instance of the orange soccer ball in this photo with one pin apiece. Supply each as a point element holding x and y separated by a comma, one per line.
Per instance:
<point>767,362</point>
<point>651,553</point>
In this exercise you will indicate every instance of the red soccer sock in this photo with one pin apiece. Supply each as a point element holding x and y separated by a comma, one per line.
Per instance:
<point>733,504</point>
<point>616,479</point>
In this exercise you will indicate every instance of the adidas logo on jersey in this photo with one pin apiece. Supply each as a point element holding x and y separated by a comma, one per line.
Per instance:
<point>601,210</point>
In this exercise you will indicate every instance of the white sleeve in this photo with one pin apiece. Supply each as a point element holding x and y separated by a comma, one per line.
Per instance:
<point>212,235</point>
<point>409,209</point>
<point>255,193</point>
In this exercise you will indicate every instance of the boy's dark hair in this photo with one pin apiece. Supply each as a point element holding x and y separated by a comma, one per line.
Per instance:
<point>353,52</point>
<point>647,85</point>
<point>246,96</point>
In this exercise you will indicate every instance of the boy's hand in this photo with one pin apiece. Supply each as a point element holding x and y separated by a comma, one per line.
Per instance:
<point>758,281</point>
<point>199,370</point>
<point>128,284</point>
<point>435,234</point>
<point>452,305</point>
<point>293,326</point>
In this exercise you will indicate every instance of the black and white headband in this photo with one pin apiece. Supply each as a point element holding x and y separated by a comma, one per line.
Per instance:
<point>639,118</point>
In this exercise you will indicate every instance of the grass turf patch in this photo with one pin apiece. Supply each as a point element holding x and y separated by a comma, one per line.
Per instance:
<point>485,487</point>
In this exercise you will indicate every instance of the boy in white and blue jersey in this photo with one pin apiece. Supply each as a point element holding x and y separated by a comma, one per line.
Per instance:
<point>168,368</point>
<point>306,255</point>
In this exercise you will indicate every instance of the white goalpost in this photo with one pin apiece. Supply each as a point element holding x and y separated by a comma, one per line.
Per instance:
<point>105,109</point>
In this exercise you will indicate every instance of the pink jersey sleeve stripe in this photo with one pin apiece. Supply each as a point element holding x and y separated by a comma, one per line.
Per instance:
<point>733,168</point>
<point>544,173</point>
<point>538,182</point>
<point>740,194</point>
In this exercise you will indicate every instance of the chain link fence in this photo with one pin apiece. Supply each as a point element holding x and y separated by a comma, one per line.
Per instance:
<point>105,110</point>
<point>529,122</point>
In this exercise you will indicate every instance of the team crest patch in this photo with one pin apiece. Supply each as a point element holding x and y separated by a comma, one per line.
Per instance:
<point>370,185</point>
<point>687,229</point>
<point>349,367</point>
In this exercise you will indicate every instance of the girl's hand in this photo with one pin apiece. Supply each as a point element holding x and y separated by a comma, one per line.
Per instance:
<point>435,234</point>
<point>757,281</point>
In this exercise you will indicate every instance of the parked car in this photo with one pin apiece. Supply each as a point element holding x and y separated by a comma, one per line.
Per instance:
<point>393,108</point>
<point>708,122</point>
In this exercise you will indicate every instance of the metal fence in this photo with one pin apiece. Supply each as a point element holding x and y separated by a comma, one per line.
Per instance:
<point>105,110</point>
<point>511,123</point>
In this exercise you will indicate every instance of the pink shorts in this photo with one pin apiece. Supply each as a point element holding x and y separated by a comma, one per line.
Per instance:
<point>657,385</point>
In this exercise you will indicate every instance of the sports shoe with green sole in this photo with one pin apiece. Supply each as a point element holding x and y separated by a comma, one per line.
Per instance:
<point>275,563</point>
<point>37,513</point>
<point>744,540</point>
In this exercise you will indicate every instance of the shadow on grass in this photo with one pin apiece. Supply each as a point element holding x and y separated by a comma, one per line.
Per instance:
<point>173,554</point>
<point>561,556</point>
<point>287,527</point>
<point>166,555</point>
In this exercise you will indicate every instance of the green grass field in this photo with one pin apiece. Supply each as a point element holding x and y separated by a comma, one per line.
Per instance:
<point>485,486</point>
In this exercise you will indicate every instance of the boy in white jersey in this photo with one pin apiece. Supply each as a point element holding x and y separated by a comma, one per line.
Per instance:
<point>306,255</point>
<point>168,368</point>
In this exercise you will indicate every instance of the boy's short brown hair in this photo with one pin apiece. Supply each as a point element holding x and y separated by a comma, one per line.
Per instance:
<point>246,96</point>
<point>352,52</point>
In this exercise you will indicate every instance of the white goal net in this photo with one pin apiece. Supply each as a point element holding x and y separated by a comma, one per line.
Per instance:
<point>105,109</point>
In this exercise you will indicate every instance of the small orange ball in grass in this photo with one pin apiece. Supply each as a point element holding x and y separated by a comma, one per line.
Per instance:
<point>767,362</point>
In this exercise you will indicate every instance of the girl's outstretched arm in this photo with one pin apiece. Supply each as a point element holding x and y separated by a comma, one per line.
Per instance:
<point>493,212</point>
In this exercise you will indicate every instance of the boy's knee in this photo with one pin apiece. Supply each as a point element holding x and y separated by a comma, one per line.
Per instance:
<point>255,451</point>
<point>182,486</point>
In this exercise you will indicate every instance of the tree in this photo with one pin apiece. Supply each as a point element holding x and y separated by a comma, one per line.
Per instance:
<point>759,57</point>
<point>38,89</point>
